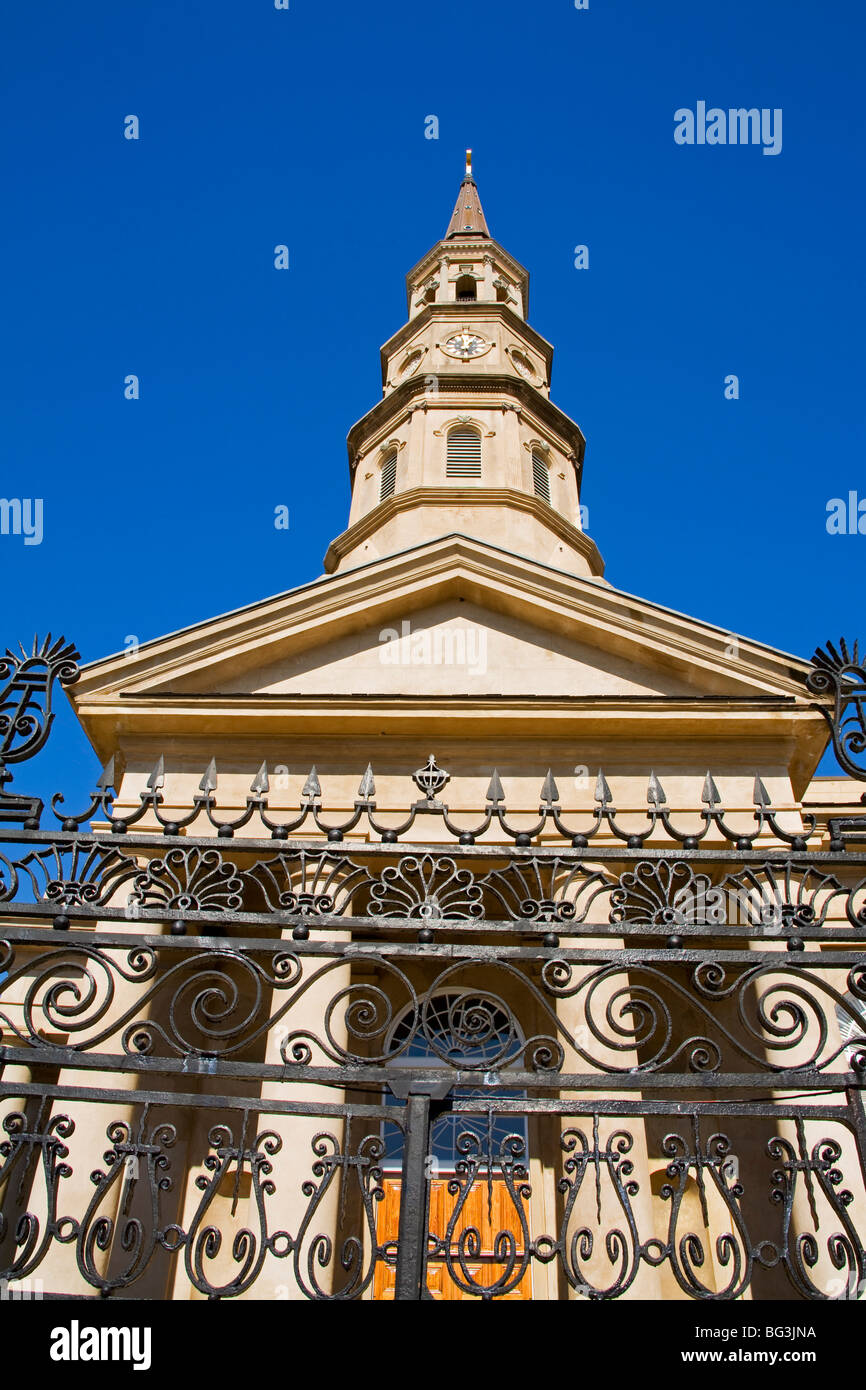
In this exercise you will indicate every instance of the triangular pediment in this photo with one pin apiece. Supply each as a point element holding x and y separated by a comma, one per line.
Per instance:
<point>454,617</point>
<point>453,647</point>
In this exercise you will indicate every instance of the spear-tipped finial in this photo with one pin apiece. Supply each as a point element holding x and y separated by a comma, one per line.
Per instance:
<point>710,795</point>
<point>655,793</point>
<point>311,789</point>
<point>208,782</point>
<point>157,777</point>
<point>260,785</point>
<point>495,792</point>
<point>367,787</point>
<point>106,776</point>
<point>603,794</point>
<point>760,795</point>
<point>550,791</point>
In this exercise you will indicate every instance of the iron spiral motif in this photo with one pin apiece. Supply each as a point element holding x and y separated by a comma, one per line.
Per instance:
<point>666,894</point>
<point>841,674</point>
<point>644,1015</point>
<point>602,1170</point>
<point>82,873</point>
<point>708,1166</point>
<point>800,1250</point>
<point>235,1234</point>
<point>251,1244</point>
<point>315,1254</point>
<point>426,886</point>
<point>26,713</point>
<point>78,875</point>
<point>135,1177</point>
<point>462,1244</point>
<point>190,881</point>
<point>72,990</point>
<point>34,1156</point>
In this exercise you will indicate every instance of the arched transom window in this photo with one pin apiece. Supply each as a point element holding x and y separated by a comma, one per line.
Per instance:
<point>462,1030</point>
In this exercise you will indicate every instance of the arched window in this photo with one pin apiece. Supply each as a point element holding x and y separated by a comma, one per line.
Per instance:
<point>465,1031</point>
<point>467,288</point>
<point>464,453</point>
<point>540,476</point>
<point>388,477</point>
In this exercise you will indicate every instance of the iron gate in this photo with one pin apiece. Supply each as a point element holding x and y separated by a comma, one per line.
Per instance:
<point>224,1054</point>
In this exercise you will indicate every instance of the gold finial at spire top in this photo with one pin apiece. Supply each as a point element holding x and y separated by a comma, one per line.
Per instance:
<point>468,218</point>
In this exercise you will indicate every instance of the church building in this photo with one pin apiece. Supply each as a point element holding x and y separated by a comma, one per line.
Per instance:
<point>455,925</point>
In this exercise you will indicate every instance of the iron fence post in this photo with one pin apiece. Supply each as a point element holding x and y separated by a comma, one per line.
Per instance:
<point>412,1229</point>
<point>414,1189</point>
<point>854,1097</point>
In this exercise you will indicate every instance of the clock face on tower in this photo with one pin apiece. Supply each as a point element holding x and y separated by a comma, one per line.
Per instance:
<point>465,345</point>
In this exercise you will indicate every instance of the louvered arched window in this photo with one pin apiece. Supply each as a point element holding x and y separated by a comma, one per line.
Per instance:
<point>540,476</point>
<point>388,476</point>
<point>464,453</point>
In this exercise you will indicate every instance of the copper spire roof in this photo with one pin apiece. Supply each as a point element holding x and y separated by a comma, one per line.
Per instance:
<point>468,219</point>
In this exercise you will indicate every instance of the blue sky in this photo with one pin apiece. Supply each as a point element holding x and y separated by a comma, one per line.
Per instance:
<point>306,127</point>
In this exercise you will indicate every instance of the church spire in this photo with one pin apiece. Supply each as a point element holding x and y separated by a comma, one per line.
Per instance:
<point>468,219</point>
<point>465,440</point>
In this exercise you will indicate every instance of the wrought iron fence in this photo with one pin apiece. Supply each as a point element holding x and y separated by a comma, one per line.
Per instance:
<point>649,1045</point>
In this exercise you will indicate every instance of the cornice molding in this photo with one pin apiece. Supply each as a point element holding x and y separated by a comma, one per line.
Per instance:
<point>456,496</point>
<point>583,607</point>
<point>412,394</point>
<point>794,733</point>
<point>469,309</point>
<point>123,697</point>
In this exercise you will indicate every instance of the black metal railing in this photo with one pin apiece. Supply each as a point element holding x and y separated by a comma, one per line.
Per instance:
<point>651,1040</point>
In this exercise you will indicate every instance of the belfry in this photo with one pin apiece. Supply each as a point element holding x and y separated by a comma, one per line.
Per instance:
<point>455,925</point>
<point>466,436</point>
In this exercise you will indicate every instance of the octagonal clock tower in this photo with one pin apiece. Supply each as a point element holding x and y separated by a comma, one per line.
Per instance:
<point>466,438</point>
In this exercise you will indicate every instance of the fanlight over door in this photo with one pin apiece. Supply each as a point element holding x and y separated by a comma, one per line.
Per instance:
<point>468,1028</point>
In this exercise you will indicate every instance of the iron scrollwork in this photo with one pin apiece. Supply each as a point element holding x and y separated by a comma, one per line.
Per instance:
<point>841,674</point>
<point>570,969</point>
<point>31,1151</point>
<point>26,714</point>
<point>799,1250</point>
<point>600,1170</point>
<point>136,1171</point>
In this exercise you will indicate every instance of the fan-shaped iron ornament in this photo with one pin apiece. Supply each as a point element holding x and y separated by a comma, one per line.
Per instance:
<point>26,713</point>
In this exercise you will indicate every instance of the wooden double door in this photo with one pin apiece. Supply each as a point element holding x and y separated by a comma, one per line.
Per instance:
<point>488,1211</point>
